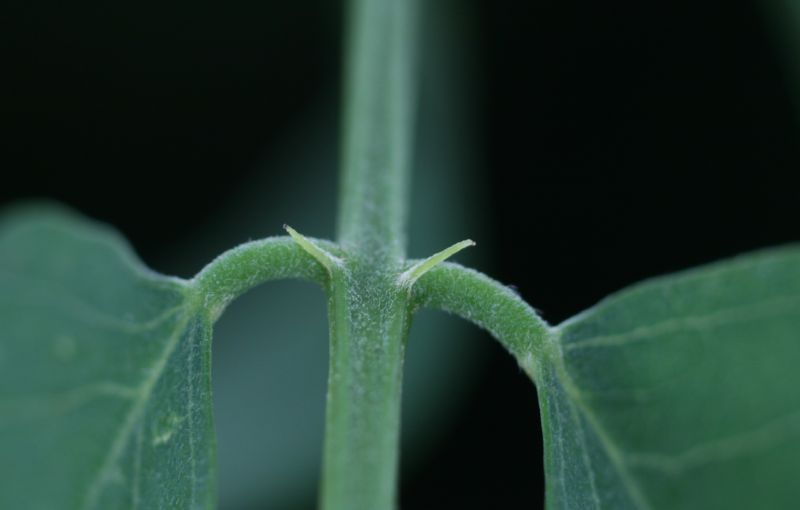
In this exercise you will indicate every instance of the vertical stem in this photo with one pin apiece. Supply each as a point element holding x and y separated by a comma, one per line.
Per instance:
<point>379,103</point>
<point>369,318</point>
<point>369,311</point>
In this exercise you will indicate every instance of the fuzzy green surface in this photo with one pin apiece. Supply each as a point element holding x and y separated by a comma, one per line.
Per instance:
<point>369,312</point>
<point>105,366</point>
<point>104,374</point>
<point>379,110</point>
<point>241,268</point>
<point>369,320</point>
<point>491,306</point>
<point>681,392</point>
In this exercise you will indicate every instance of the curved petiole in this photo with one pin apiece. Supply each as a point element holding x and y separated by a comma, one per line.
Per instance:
<point>493,307</point>
<point>240,269</point>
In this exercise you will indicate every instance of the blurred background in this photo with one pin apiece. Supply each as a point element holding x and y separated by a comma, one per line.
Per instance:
<point>584,145</point>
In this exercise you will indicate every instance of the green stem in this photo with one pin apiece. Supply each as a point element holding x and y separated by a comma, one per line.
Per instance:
<point>492,306</point>
<point>240,269</point>
<point>377,124</point>
<point>369,319</point>
<point>369,311</point>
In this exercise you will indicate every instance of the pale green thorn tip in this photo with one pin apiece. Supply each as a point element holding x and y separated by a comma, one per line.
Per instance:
<point>323,257</point>
<point>413,273</point>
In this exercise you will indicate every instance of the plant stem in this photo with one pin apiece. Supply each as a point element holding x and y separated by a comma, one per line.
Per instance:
<point>369,311</point>
<point>378,116</point>
<point>369,319</point>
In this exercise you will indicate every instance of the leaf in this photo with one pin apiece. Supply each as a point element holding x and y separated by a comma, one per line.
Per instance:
<point>681,392</point>
<point>104,374</point>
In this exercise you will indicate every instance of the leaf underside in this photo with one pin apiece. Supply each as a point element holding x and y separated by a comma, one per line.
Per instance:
<point>681,392</point>
<point>104,374</point>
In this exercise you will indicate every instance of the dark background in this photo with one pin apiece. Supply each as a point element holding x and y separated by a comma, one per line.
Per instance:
<point>616,142</point>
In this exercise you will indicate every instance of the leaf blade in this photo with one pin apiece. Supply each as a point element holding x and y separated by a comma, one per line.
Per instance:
<point>111,364</point>
<point>684,384</point>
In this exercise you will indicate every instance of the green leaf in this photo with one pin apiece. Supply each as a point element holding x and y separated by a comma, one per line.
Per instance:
<point>105,395</point>
<point>681,392</point>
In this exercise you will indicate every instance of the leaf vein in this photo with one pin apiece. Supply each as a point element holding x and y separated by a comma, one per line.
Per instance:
<point>787,305</point>
<point>587,461</point>
<point>122,437</point>
<point>612,450</point>
<point>51,296</point>
<point>728,448</point>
